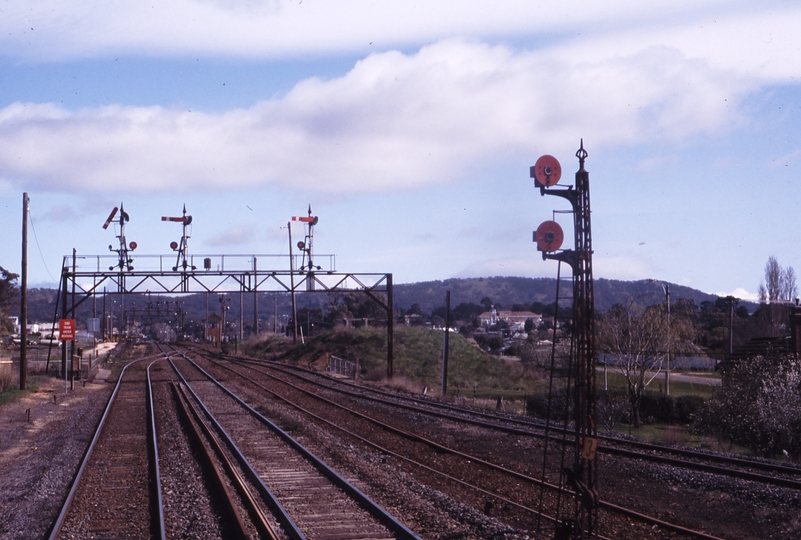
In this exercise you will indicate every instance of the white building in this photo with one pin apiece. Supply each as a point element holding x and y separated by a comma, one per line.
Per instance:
<point>515,319</point>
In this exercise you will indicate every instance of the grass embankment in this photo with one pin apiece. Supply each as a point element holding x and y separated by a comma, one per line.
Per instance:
<point>9,372</point>
<point>474,373</point>
<point>417,360</point>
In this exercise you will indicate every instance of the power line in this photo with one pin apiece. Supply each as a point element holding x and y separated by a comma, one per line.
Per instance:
<point>30,216</point>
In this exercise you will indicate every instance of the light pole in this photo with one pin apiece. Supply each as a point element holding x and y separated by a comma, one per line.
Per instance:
<point>666,289</point>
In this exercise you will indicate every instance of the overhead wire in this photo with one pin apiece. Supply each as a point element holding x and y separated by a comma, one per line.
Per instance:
<point>36,238</point>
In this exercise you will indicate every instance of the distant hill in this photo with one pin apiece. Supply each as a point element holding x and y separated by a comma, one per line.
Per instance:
<point>502,291</point>
<point>505,291</point>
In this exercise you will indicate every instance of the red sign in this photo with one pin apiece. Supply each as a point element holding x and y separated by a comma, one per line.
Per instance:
<point>66,329</point>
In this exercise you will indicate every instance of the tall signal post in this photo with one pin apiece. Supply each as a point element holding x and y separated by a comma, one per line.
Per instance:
<point>305,247</point>
<point>124,261</point>
<point>181,248</point>
<point>583,478</point>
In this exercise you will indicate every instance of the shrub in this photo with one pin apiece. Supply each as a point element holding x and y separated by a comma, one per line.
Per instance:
<point>758,405</point>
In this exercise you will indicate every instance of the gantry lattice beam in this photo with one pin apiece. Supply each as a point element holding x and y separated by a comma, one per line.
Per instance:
<point>84,277</point>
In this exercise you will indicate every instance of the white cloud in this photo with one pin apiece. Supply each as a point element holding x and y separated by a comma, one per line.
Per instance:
<point>785,160</point>
<point>740,293</point>
<point>60,213</point>
<point>48,29</point>
<point>393,121</point>
<point>234,236</point>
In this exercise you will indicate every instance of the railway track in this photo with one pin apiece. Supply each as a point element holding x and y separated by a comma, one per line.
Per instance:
<point>110,496</point>
<point>118,489</point>
<point>765,472</point>
<point>162,465</point>
<point>310,499</point>
<point>156,418</point>
<point>482,476</point>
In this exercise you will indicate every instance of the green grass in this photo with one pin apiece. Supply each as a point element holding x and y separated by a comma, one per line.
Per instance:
<point>617,383</point>
<point>472,373</point>
<point>680,436</point>
<point>417,359</point>
<point>9,388</point>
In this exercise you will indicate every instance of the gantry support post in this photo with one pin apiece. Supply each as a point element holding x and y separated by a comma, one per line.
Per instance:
<point>390,329</point>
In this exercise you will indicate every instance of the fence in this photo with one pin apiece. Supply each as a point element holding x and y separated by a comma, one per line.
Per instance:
<point>690,363</point>
<point>340,366</point>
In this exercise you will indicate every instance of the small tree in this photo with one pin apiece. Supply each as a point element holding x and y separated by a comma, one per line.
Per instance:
<point>789,287</point>
<point>8,298</point>
<point>636,337</point>
<point>528,326</point>
<point>779,287</point>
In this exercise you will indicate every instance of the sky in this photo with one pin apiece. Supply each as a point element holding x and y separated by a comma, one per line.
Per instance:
<point>409,128</point>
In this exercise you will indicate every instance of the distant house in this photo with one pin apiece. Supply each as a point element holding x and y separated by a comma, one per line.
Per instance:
<point>515,319</point>
<point>413,320</point>
<point>33,328</point>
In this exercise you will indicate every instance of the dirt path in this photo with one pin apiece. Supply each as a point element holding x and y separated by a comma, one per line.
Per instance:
<point>43,436</point>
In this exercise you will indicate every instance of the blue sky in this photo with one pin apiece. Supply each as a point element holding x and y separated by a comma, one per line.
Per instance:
<point>409,128</point>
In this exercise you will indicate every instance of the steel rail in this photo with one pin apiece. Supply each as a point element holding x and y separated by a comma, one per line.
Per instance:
<point>157,513</point>
<point>603,448</point>
<point>445,449</point>
<point>363,500</point>
<point>199,432</point>
<point>290,527</point>
<point>55,528</point>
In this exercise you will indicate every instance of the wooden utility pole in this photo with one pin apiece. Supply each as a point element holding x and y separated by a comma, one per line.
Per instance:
<point>23,311</point>
<point>445,342</point>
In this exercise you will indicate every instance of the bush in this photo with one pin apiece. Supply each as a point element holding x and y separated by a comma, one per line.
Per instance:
<point>670,409</point>
<point>687,408</point>
<point>537,405</point>
<point>758,405</point>
<point>613,409</point>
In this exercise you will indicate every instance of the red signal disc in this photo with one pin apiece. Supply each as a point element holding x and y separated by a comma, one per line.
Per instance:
<point>547,171</point>
<point>549,236</point>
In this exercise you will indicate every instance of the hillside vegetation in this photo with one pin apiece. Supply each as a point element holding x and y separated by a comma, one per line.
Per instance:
<point>418,359</point>
<point>507,291</point>
<point>429,295</point>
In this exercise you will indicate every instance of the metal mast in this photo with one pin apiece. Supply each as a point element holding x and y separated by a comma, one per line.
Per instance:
<point>584,474</point>
<point>305,247</point>
<point>182,248</point>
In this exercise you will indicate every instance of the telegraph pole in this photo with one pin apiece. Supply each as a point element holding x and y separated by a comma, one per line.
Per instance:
<point>445,342</point>
<point>23,310</point>
<point>669,340</point>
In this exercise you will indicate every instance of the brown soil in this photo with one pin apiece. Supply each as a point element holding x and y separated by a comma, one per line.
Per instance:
<point>43,436</point>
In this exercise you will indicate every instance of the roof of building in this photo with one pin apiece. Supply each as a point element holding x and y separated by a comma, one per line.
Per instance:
<point>506,313</point>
